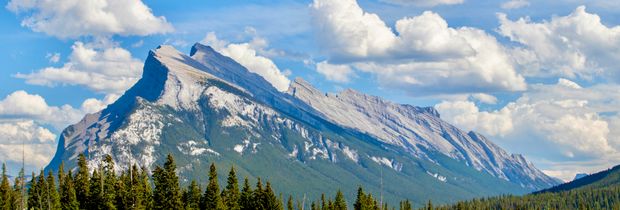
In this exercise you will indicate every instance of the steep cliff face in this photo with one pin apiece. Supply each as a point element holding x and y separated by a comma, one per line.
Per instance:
<point>205,107</point>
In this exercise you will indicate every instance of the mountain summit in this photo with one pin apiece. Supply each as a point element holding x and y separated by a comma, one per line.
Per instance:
<point>205,107</point>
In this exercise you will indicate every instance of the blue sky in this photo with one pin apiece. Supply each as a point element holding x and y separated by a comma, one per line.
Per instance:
<point>536,77</point>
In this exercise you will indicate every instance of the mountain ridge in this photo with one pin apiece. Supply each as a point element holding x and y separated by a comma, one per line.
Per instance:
<point>206,107</point>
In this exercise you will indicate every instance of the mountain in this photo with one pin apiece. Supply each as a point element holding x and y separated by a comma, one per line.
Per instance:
<point>580,175</point>
<point>606,178</point>
<point>205,107</point>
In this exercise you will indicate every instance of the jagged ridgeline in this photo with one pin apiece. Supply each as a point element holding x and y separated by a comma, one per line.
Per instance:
<point>206,108</point>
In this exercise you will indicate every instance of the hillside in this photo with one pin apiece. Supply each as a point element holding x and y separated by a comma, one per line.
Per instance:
<point>606,178</point>
<point>596,191</point>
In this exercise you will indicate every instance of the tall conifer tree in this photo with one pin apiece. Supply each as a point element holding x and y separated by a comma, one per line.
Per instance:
<point>167,193</point>
<point>68,198</point>
<point>231,193</point>
<point>5,190</point>
<point>245,200</point>
<point>212,198</point>
<point>82,182</point>
<point>52,192</point>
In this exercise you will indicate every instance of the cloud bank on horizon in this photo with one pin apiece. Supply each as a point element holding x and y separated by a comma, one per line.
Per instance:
<point>544,86</point>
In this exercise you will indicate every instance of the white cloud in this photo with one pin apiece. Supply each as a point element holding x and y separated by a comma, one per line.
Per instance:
<point>553,125</point>
<point>467,116</point>
<point>72,19</point>
<point>53,57</point>
<point>484,98</point>
<point>515,4</point>
<point>102,69</point>
<point>337,73</point>
<point>21,105</point>
<point>428,3</point>
<point>423,55</point>
<point>26,119</point>
<point>92,105</point>
<point>247,54</point>
<point>38,143</point>
<point>576,45</point>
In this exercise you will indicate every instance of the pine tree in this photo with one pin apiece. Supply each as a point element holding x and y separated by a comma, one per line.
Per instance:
<point>289,203</point>
<point>359,201</point>
<point>145,192</point>
<point>270,201</point>
<point>167,194</point>
<point>191,196</point>
<point>35,196</point>
<point>82,182</point>
<point>17,198</point>
<point>429,205</point>
<point>405,205</point>
<point>53,200</point>
<point>212,198</point>
<point>245,200</point>
<point>230,195</point>
<point>95,199</point>
<point>258,195</point>
<point>68,198</point>
<point>339,201</point>
<point>123,193</point>
<point>323,203</point>
<point>5,190</point>
<point>109,183</point>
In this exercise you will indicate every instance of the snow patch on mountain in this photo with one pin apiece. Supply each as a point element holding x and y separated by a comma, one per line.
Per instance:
<point>437,176</point>
<point>388,162</point>
<point>195,148</point>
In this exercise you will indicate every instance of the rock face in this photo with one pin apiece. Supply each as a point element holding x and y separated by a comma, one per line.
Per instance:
<point>205,107</point>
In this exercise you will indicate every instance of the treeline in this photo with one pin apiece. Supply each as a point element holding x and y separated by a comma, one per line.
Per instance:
<point>135,189</point>
<point>584,198</point>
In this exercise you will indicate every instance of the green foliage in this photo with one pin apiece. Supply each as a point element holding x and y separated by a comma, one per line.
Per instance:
<point>82,182</point>
<point>132,190</point>
<point>245,200</point>
<point>212,198</point>
<point>167,193</point>
<point>17,197</point>
<point>231,193</point>
<point>5,190</point>
<point>339,202</point>
<point>95,197</point>
<point>68,199</point>
<point>53,199</point>
<point>191,196</point>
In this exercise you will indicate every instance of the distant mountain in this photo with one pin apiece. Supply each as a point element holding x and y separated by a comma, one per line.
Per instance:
<point>606,178</point>
<point>205,107</point>
<point>580,175</point>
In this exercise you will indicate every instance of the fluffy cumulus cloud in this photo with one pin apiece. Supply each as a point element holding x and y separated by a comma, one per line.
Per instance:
<point>28,123</point>
<point>104,69</point>
<point>553,124</point>
<point>36,142</point>
<point>72,19</point>
<point>428,3</point>
<point>250,55</point>
<point>21,105</point>
<point>578,45</point>
<point>515,4</point>
<point>422,54</point>
<point>484,98</point>
<point>337,73</point>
